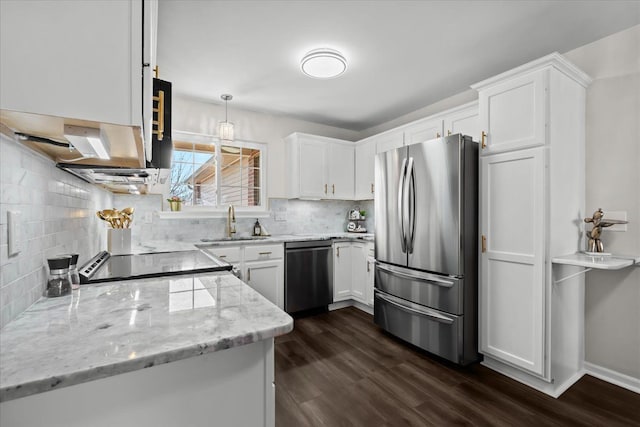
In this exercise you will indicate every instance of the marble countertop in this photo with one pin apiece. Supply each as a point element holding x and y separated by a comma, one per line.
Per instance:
<point>112,328</point>
<point>170,245</point>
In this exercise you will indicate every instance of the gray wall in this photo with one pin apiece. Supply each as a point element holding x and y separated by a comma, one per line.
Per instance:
<point>612,311</point>
<point>58,216</point>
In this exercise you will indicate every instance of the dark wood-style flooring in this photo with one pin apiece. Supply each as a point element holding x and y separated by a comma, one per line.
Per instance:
<point>339,369</point>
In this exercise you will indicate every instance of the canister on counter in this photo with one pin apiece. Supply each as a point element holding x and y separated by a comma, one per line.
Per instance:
<point>59,281</point>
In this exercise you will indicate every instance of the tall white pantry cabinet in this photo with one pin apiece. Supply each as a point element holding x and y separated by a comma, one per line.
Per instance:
<point>532,174</point>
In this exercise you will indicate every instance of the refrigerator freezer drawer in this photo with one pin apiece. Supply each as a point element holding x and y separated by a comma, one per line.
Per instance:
<point>434,331</point>
<point>439,292</point>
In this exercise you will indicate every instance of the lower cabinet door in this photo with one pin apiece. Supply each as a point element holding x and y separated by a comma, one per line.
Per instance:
<point>371,273</point>
<point>512,286</point>
<point>342,271</point>
<point>266,277</point>
<point>359,272</point>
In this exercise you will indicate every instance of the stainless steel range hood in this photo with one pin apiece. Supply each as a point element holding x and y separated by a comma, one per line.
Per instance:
<point>123,167</point>
<point>127,170</point>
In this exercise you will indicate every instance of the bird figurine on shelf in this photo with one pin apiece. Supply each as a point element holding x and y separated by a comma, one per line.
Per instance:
<point>595,245</point>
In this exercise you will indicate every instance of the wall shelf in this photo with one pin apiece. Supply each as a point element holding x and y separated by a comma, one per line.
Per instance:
<point>599,262</point>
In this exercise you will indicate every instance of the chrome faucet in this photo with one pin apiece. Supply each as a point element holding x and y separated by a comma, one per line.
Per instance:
<point>231,221</point>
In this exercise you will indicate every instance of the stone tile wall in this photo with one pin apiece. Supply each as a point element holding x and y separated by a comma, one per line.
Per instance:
<point>285,217</point>
<point>57,216</point>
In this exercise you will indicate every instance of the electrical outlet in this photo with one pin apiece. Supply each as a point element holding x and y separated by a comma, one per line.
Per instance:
<point>14,229</point>
<point>621,215</point>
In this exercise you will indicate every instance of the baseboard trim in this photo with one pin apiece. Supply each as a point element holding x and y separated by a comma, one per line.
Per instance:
<point>550,388</point>
<point>613,377</point>
<point>351,303</point>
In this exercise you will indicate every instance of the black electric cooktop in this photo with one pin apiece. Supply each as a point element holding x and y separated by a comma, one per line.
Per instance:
<point>107,268</point>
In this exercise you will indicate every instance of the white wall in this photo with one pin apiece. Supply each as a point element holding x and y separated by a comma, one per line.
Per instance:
<point>58,214</point>
<point>612,312</point>
<point>191,115</point>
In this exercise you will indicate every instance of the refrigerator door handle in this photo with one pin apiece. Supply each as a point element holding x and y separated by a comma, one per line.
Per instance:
<point>432,314</point>
<point>406,181</point>
<point>400,273</point>
<point>411,205</point>
<point>401,181</point>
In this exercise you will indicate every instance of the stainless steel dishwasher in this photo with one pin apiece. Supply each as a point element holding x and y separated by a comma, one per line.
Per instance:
<point>308,278</point>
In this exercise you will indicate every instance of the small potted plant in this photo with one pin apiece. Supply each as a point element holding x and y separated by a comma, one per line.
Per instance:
<point>175,203</point>
<point>363,214</point>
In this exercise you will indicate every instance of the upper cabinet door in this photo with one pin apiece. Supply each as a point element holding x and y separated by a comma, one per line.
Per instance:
<point>341,166</point>
<point>312,158</point>
<point>422,131</point>
<point>365,168</point>
<point>389,141</point>
<point>513,113</point>
<point>80,60</point>
<point>465,121</point>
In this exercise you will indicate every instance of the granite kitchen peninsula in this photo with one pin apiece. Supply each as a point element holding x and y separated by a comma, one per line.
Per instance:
<point>180,350</point>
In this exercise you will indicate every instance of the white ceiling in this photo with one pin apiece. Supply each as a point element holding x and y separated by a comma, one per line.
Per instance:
<point>403,55</point>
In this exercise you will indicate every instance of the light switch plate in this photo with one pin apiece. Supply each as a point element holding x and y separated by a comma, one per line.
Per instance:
<point>14,230</point>
<point>621,215</point>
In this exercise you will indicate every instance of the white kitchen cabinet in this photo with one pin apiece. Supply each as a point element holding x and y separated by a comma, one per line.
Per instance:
<point>266,277</point>
<point>513,113</point>
<point>341,170</point>
<point>365,169</point>
<point>261,266</point>
<point>359,272</point>
<point>512,299</point>
<point>464,120</point>
<point>80,60</point>
<point>319,167</point>
<point>370,257</point>
<point>370,280</point>
<point>532,196</point>
<point>389,140</point>
<point>353,271</point>
<point>423,130</point>
<point>342,271</point>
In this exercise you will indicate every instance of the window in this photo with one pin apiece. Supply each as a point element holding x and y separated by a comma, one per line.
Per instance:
<point>215,174</point>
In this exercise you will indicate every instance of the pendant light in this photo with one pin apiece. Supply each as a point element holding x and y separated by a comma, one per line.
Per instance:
<point>225,129</point>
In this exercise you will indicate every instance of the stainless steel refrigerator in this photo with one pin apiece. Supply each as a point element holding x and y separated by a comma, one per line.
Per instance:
<point>426,245</point>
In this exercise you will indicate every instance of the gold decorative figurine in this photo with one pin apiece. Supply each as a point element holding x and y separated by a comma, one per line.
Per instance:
<point>595,244</point>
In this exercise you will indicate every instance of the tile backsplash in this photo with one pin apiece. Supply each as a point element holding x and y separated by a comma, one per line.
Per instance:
<point>57,212</point>
<point>285,217</point>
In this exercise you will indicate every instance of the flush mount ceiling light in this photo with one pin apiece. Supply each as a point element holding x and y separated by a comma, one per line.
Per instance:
<point>323,63</point>
<point>90,142</point>
<point>225,129</point>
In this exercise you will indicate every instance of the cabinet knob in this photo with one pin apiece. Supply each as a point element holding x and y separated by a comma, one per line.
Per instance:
<point>484,243</point>
<point>325,189</point>
<point>483,140</point>
<point>333,189</point>
<point>338,252</point>
<point>248,274</point>
<point>437,134</point>
<point>448,132</point>
<point>372,188</point>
